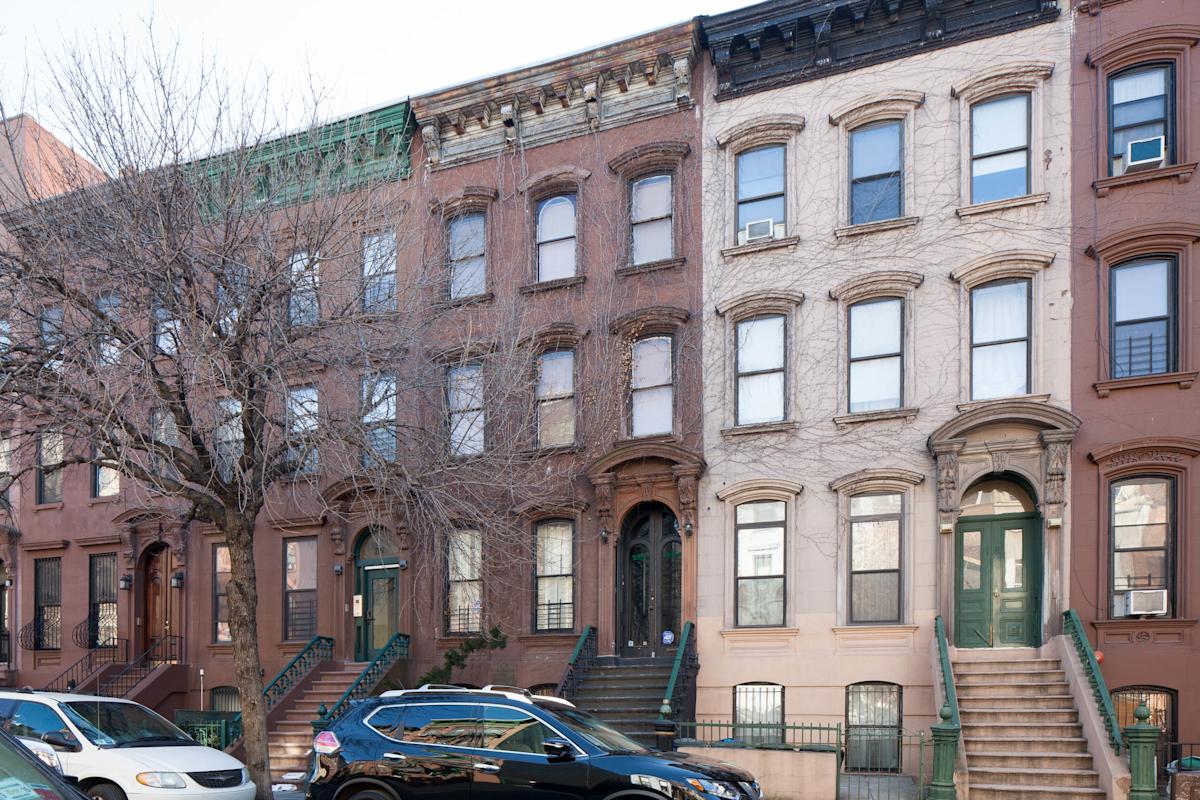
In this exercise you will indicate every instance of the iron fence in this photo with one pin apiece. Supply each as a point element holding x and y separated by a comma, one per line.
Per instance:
<point>761,735</point>
<point>217,729</point>
<point>581,658</point>
<point>1176,757</point>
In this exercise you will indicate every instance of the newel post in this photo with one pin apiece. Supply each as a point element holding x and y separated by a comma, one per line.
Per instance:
<point>945,748</point>
<point>1142,738</point>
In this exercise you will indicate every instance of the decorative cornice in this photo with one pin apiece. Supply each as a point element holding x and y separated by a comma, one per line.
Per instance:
<point>875,477</point>
<point>554,177</point>
<point>1144,239</point>
<point>648,157</point>
<point>49,544</point>
<point>99,541</point>
<point>1147,449</point>
<point>640,451</point>
<point>869,108</point>
<point>1041,415</point>
<point>778,301</point>
<point>651,320</point>
<point>760,488</point>
<point>1004,264</point>
<point>1144,43</point>
<point>1002,78</point>
<point>762,129</point>
<point>891,283</point>
<point>470,198</point>
<point>544,508</point>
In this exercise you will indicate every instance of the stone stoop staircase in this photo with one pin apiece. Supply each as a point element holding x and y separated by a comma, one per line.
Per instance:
<point>290,740</point>
<point>1021,729</point>
<point>626,694</point>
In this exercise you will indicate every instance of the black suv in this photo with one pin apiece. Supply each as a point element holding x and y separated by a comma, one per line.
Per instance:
<point>498,743</point>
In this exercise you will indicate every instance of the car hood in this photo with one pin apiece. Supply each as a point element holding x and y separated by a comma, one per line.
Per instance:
<point>708,767</point>
<point>192,758</point>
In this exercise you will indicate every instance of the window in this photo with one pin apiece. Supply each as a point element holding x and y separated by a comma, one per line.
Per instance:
<point>379,418</point>
<point>511,730</point>
<point>1143,537</point>
<point>873,727</point>
<point>759,542</point>
<point>556,398</point>
<point>1140,107</point>
<point>299,589</point>
<point>652,390</point>
<point>876,333</point>
<point>875,547</point>
<point>464,595</point>
<point>760,194</point>
<point>34,720</point>
<point>102,600</point>
<point>47,604</point>
<point>1000,148</point>
<point>758,713</point>
<point>556,237</point>
<point>468,255</point>
<point>166,330</point>
<point>876,172</point>
<point>650,219</point>
<point>303,305</point>
<point>1000,339</point>
<point>106,481</point>
<point>1143,317</point>
<point>108,348</point>
<point>50,452</point>
<point>225,699</point>
<point>555,576</point>
<point>165,432</point>
<point>379,272</point>
<point>453,724</point>
<point>51,335</point>
<point>468,419</point>
<point>228,437</point>
<point>302,417</point>
<point>222,572</point>
<point>761,385</point>
<point>1162,704</point>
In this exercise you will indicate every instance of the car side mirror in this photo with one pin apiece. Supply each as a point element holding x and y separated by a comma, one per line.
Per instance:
<point>61,741</point>
<point>558,750</point>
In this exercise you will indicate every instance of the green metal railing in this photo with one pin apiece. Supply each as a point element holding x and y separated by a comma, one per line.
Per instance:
<point>763,735</point>
<point>396,648</point>
<point>581,658</point>
<point>945,733</point>
<point>1091,669</point>
<point>939,628</point>
<point>681,671</point>
<point>318,649</point>
<point>217,729</point>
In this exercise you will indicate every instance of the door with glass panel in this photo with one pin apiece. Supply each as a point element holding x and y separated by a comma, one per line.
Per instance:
<point>998,581</point>
<point>651,588</point>
<point>377,569</point>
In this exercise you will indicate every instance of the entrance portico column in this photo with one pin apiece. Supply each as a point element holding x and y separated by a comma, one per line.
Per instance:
<point>946,459</point>
<point>602,486</point>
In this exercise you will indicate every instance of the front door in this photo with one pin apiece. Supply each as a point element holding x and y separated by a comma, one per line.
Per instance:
<point>156,597</point>
<point>651,570</point>
<point>998,581</point>
<point>381,609</point>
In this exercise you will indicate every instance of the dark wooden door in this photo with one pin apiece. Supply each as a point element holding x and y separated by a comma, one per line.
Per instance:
<point>159,611</point>
<point>998,580</point>
<point>651,572</point>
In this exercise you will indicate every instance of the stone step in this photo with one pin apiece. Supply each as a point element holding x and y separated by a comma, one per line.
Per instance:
<point>1000,665</point>
<point>1007,776</point>
<point>1024,744</point>
<point>967,691</point>
<point>1030,760</point>
<point>994,677</point>
<point>1007,716</point>
<point>985,791</point>
<point>984,702</point>
<point>1035,730</point>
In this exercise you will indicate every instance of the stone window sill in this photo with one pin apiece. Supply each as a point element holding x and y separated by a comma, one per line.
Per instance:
<point>865,228</point>
<point>1029,398</point>
<point>750,633</point>
<point>548,286</point>
<point>766,427</point>
<point>787,242</point>
<point>999,205</point>
<point>1144,622</point>
<point>868,628</point>
<point>48,507</point>
<point>650,266</point>
<point>860,417</point>
<point>655,437</point>
<point>475,299</point>
<point>1183,379</point>
<point>111,498</point>
<point>1180,172</point>
<point>554,450</point>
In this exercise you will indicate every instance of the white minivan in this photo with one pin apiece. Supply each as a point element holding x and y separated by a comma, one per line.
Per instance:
<point>120,750</point>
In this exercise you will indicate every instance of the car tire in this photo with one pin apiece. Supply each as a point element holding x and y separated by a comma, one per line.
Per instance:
<point>105,791</point>
<point>369,794</point>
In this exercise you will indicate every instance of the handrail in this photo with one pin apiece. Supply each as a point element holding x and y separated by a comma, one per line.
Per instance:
<point>683,658</point>
<point>110,651</point>
<point>319,648</point>
<point>939,628</point>
<point>581,657</point>
<point>1091,667</point>
<point>395,649</point>
<point>165,650</point>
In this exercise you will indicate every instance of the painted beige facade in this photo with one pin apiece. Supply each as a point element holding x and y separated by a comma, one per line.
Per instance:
<point>930,256</point>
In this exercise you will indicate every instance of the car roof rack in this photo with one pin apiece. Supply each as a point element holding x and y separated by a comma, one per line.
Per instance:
<point>510,692</point>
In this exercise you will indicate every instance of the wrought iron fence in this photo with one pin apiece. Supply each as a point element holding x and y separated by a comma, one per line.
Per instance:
<point>890,764</point>
<point>300,620</point>
<point>582,657</point>
<point>1174,758</point>
<point>318,649</point>
<point>760,735</point>
<point>5,648</point>
<point>99,627</point>
<point>217,729</point>
<point>43,633</point>
<point>167,650</point>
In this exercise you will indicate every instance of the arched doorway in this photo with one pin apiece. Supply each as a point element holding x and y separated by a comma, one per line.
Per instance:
<point>376,592</point>
<point>160,611</point>
<point>998,572</point>
<point>650,581</point>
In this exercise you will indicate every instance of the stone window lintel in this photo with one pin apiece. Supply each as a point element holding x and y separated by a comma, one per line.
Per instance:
<point>646,158</point>
<point>1004,264</point>
<point>1001,79</point>
<point>765,129</point>
<point>890,283</point>
<point>865,480</point>
<point>760,489</point>
<point>650,321</point>
<point>887,106</point>
<point>777,301</point>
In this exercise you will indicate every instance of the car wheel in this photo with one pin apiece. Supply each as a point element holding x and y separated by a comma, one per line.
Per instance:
<point>370,794</point>
<point>105,791</point>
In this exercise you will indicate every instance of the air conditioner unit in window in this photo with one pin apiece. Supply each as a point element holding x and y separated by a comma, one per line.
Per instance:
<point>1143,154</point>
<point>757,231</point>
<point>1146,603</point>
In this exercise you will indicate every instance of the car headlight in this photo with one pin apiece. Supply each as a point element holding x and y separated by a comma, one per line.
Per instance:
<point>161,780</point>
<point>715,788</point>
<point>50,759</point>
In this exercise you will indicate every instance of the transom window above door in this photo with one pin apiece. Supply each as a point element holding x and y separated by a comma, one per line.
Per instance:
<point>996,497</point>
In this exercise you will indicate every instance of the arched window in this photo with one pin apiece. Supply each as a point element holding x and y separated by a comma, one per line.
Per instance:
<point>225,698</point>
<point>556,237</point>
<point>758,713</point>
<point>996,497</point>
<point>873,727</point>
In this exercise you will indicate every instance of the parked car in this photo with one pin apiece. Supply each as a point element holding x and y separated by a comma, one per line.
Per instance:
<point>498,743</point>
<point>119,750</point>
<point>22,775</point>
<point>43,752</point>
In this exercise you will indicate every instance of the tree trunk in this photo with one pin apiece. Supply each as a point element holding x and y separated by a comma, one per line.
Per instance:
<point>242,594</point>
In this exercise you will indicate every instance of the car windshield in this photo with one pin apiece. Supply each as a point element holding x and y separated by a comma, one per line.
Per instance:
<point>110,724</point>
<point>19,777</point>
<point>593,730</point>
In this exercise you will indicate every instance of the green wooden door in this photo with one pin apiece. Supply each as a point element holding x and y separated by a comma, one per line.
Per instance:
<point>380,609</point>
<point>998,579</point>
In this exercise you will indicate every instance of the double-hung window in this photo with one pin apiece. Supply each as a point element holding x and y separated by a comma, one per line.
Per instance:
<point>379,418</point>
<point>299,589</point>
<point>222,572</point>
<point>166,329</point>
<point>759,546</point>
<point>1143,538</point>
<point>379,272</point>
<point>1141,114</point>
<point>106,481</point>
<point>228,438</point>
<point>556,237</point>
<point>102,600</point>
<point>51,335</point>
<point>47,603</point>
<point>467,416</point>
<point>761,384</point>
<point>467,254</point>
<point>876,354</point>
<point>556,398</point>
<point>1143,325</point>
<point>652,387</point>
<point>108,346</point>
<point>1000,148</point>
<point>464,578</point>
<point>1000,339</point>
<point>875,548</point>
<point>50,452</point>
<point>761,203</point>
<point>555,563</point>
<point>302,419</point>
<point>876,172</point>
<point>650,203</point>
<point>165,433</point>
<point>303,304</point>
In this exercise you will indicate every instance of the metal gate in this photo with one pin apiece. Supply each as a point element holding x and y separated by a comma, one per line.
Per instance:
<point>884,763</point>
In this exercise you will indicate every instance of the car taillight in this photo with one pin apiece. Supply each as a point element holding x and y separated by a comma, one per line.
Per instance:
<point>326,742</point>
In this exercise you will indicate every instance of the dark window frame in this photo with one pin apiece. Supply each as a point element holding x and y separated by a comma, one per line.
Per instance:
<point>898,173</point>
<point>102,599</point>
<point>761,686</point>
<point>739,201</point>
<point>572,196</point>
<point>632,185</point>
<point>300,286</point>
<point>309,451</point>
<point>898,727</point>
<point>1170,548</point>
<point>1170,122</point>
<point>452,262</point>
<point>537,577</point>
<point>1028,148</point>
<point>852,359</point>
<point>370,426</point>
<point>370,279</point>
<point>539,400</point>
<point>290,634</point>
<point>899,570</point>
<point>1172,317</point>
<point>452,413</point>
<point>96,472</point>
<point>738,374</point>
<point>672,382</point>
<point>738,527</point>
<point>448,627</point>
<point>224,692</point>
<point>47,637</point>
<point>1028,338</point>
<point>43,476</point>
<point>217,594</point>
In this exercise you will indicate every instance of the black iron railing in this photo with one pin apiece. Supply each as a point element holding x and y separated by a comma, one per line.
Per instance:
<point>5,647</point>
<point>44,633</point>
<point>582,657</point>
<point>167,650</point>
<point>112,651</point>
<point>99,627</point>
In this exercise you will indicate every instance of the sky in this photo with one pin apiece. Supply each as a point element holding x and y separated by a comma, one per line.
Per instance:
<point>363,54</point>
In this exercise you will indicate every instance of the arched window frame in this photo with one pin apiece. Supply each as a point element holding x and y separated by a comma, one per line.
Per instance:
<point>754,732</point>
<point>638,164</point>
<point>743,308</point>
<point>539,189</point>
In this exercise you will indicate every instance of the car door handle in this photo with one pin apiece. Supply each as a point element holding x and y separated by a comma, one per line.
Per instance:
<point>487,768</point>
<point>395,756</point>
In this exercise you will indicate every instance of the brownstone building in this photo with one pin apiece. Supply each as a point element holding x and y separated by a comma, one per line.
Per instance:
<point>1136,351</point>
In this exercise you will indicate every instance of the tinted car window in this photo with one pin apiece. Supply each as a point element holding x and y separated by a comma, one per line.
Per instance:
<point>445,724</point>
<point>34,719</point>
<point>388,720</point>
<point>513,730</point>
